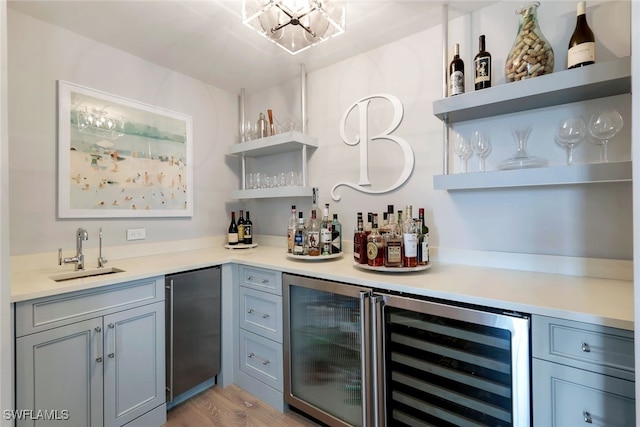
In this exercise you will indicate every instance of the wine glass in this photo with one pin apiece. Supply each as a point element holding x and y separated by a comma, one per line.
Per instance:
<point>481,145</point>
<point>570,134</point>
<point>603,127</point>
<point>463,149</point>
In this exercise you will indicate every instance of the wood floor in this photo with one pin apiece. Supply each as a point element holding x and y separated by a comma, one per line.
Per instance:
<point>231,407</point>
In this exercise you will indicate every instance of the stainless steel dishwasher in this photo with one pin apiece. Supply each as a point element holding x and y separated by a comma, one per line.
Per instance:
<point>192,332</point>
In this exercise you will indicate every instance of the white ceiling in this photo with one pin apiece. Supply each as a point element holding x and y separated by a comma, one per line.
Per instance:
<point>206,40</point>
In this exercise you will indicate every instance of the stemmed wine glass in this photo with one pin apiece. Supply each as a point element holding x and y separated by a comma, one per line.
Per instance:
<point>481,145</point>
<point>603,127</point>
<point>463,150</point>
<point>570,134</point>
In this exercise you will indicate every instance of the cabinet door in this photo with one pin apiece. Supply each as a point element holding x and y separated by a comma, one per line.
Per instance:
<point>60,371</point>
<point>134,379</point>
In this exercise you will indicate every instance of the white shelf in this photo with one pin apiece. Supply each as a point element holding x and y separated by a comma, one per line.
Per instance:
<point>265,193</point>
<point>562,87</point>
<point>554,175</point>
<point>277,144</point>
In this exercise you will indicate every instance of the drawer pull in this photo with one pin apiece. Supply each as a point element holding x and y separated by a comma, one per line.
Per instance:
<point>253,356</point>
<point>586,348</point>
<point>587,417</point>
<point>264,315</point>
<point>254,279</point>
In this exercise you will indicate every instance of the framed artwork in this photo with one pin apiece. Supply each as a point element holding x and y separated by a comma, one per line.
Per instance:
<point>121,158</point>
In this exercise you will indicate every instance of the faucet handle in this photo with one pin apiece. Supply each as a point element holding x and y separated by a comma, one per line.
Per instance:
<point>59,256</point>
<point>102,261</point>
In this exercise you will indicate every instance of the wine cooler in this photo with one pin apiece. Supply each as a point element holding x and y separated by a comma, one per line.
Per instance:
<point>355,356</point>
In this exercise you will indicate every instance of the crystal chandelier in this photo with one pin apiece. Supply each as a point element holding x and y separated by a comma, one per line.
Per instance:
<point>295,25</point>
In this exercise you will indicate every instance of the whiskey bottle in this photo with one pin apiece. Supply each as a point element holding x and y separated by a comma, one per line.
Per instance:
<point>360,242</point>
<point>375,245</point>
<point>300,237</point>
<point>393,248</point>
<point>313,235</point>
<point>325,232</point>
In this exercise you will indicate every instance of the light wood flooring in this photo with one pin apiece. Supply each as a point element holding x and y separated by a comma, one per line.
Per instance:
<point>231,407</point>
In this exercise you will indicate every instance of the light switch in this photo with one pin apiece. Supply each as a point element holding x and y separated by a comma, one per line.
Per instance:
<point>136,233</point>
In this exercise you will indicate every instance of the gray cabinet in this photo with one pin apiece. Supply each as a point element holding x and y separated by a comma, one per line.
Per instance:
<point>582,373</point>
<point>94,358</point>
<point>260,353</point>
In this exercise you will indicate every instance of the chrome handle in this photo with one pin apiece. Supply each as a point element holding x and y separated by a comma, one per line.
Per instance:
<point>98,330</point>
<point>586,415</point>
<point>111,355</point>
<point>262,360</point>
<point>59,256</point>
<point>264,315</point>
<point>111,342</point>
<point>586,348</point>
<point>252,279</point>
<point>170,355</point>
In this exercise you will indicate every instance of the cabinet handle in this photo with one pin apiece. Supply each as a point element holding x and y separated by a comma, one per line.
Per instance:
<point>264,315</point>
<point>253,356</point>
<point>111,355</point>
<point>252,279</point>
<point>586,415</point>
<point>98,330</point>
<point>111,341</point>
<point>586,348</point>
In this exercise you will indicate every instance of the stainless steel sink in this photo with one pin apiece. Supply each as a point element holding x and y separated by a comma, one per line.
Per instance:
<point>85,273</point>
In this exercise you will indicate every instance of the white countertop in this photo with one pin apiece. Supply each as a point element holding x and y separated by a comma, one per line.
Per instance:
<point>600,301</point>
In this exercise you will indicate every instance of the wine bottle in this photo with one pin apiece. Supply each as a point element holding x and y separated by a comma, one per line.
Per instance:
<point>248,230</point>
<point>423,240</point>
<point>232,236</point>
<point>241,228</point>
<point>582,46</point>
<point>482,65</point>
<point>456,73</point>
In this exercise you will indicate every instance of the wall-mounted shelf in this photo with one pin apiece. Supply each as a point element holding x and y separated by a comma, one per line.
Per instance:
<point>277,144</point>
<point>562,87</point>
<point>266,193</point>
<point>554,175</point>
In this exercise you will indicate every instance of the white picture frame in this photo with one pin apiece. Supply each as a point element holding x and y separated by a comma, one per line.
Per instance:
<point>121,158</point>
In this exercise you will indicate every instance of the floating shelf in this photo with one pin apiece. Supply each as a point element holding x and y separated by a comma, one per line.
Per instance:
<point>277,144</point>
<point>265,193</point>
<point>580,84</point>
<point>553,175</point>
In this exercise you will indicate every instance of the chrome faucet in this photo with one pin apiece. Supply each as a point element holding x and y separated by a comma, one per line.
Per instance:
<point>81,234</point>
<point>101,260</point>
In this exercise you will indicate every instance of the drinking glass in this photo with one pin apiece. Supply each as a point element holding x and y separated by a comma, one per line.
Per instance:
<point>569,134</point>
<point>481,145</point>
<point>603,127</point>
<point>463,150</point>
<point>251,184</point>
<point>259,180</point>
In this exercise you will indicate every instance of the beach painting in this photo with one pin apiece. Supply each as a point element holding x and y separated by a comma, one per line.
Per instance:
<point>121,158</point>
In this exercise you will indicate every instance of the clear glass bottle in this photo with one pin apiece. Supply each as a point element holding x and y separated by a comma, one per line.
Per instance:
<point>531,54</point>
<point>291,229</point>
<point>313,235</point>
<point>325,232</point>
<point>410,240</point>
<point>300,238</point>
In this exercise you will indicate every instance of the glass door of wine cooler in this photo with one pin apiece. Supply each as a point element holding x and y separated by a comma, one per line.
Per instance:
<point>326,332</point>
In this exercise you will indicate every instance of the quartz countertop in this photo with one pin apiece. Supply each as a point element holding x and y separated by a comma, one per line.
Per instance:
<point>600,301</point>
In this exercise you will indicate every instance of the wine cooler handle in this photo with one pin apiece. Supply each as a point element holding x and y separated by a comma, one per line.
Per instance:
<point>378,412</point>
<point>170,352</point>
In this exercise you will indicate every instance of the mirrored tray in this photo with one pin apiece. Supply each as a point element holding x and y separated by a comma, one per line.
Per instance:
<point>392,269</point>
<point>241,246</point>
<point>314,258</point>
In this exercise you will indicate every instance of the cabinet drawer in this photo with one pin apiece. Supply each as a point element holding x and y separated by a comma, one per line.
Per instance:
<point>261,313</point>
<point>568,397</point>
<point>49,312</point>
<point>261,279</point>
<point>262,359</point>
<point>583,345</point>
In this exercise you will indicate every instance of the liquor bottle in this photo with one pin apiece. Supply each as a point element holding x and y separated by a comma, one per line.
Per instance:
<point>410,240</point>
<point>313,235</point>
<point>241,228</point>
<point>248,230</point>
<point>482,65</point>
<point>291,229</point>
<point>375,245</point>
<point>300,237</point>
<point>393,247</point>
<point>582,46</point>
<point>423,240</point>
<point>367,225</point>
<point>336,235</point>
<point>360,242</point>
<point>325,232</point>
<point>314,203</point>
<point>232,236</point>
<point>456,73</point>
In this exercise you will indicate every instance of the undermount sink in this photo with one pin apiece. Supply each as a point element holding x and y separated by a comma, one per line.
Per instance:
<point>85,273</point>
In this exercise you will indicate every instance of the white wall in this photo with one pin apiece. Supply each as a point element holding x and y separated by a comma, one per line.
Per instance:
<point>39,55</point>
<point>576,221</point>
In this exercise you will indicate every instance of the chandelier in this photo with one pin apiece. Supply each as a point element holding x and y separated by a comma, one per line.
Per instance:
<point>99,123</point>
<point>295,25</point>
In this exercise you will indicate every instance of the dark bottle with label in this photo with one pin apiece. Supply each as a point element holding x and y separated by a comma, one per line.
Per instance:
<point>241,227</point>
<point>456,73</point>
<point>360,242</point>
<point>423,240</point>
<point>336,235</point>
<point>582,44</point>
<point>482,66</point>
<point>375,245</point>
<point>248,230</point>
<point>232,236</point>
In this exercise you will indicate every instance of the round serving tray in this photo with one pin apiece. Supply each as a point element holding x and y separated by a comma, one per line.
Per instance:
<point>392,269</point>
<point>241,246</point>
<point>314,258</point>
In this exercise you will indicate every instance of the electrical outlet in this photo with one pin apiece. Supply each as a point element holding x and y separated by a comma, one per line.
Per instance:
<point>136,233</point>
